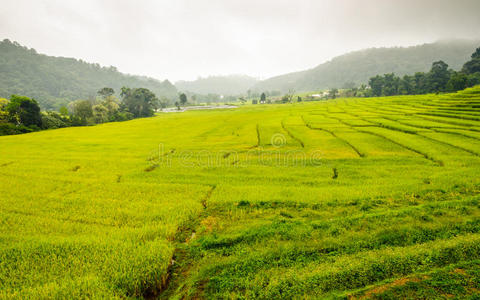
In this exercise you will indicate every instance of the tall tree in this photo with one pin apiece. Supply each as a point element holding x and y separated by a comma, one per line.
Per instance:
<point>421,85</point>
<point>476,54</point>
<point>82,109</point>
<point>438,77</point>
<point>177,104</point>
<point>112,106</point>
<point>25,111</point>
<point>472,66</point>
<point>406,85</point>
<point>105,92</point>
<point>457,82</point>
<point>473,79</point>
<point>390,84</point>
<point>333,93</point>
<point>140,102</point>
<point>263,98</point>
<point>183,99</point>
<point>100,113</point>
<point>376,85</point>
<point>288,96</point>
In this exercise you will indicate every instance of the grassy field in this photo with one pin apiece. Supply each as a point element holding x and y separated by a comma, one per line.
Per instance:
<point>361,198</point>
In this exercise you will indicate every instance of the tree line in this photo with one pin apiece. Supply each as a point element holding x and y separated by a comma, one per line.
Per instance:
<point>21,114</point>
<point>439,79</point>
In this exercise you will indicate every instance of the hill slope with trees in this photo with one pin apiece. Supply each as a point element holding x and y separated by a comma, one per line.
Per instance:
<point>56,81</point>
<point>357,67</point>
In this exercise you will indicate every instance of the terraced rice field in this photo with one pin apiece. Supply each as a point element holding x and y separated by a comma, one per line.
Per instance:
<point>375,198</point>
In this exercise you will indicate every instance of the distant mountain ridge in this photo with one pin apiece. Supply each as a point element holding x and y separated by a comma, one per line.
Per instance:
<point>55,81</point>
<point>359,66</point>
<point>223,85</point>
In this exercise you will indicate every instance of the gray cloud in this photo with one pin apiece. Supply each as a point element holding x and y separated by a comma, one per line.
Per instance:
<point>184,39</point>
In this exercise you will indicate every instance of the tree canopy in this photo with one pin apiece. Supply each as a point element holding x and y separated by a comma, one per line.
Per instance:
<point>106,92</point>
<point>140,102</point>
<point>439,79</point>
<point>472,66</point>
<point>183,99</point>
<point>23,110</point>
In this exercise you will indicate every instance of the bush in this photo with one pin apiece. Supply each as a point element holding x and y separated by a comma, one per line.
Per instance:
<point>122,116</point>
<point>9,129</point>
<point>52,120</point>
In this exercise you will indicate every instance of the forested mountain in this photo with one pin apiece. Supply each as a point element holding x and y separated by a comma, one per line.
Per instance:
<point>55,81</point>
<point>359,66</point>
<point>223,85</point>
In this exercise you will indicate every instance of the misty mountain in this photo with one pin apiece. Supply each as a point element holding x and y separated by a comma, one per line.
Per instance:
<point>359,66</point>
<point>55,81</point>
<point>222,85</point>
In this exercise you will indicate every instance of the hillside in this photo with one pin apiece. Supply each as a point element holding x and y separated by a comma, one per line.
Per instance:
<point>54,81</point>
<point>378,197</point>
<point>359,66</point>
<point>230,85</point>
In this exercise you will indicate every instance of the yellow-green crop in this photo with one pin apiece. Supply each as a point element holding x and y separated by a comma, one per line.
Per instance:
<point>312,199</point>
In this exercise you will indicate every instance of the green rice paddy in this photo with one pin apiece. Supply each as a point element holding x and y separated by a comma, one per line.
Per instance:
<point>361,197</point>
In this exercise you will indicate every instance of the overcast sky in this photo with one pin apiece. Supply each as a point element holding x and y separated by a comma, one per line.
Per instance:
<point>184,39</point>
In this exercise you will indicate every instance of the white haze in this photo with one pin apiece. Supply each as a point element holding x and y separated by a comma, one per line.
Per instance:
<point>182,39</point>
